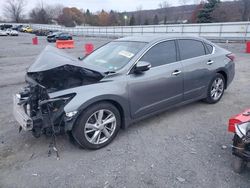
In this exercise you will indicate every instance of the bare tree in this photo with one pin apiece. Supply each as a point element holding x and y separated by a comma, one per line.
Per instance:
<point>14,9</point>
<point>183,6</point>
<point>184,2</point>
<point>54,11</point>
<point>139,15</point>
<point>198,1</point>
<point>246,10</point>
<point>164,4</point>
<point>39,14</point>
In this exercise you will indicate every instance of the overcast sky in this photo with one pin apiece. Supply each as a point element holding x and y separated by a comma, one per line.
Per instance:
<point>96,5</point>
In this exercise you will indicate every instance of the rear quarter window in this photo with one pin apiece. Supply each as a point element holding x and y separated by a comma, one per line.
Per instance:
<point>209,48</point>
<point>191,48</point>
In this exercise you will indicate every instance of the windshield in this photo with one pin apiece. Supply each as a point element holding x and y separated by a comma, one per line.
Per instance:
<point>114,55</point>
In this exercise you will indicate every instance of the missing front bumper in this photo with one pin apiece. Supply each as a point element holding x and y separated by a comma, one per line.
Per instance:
<point>20,115</point>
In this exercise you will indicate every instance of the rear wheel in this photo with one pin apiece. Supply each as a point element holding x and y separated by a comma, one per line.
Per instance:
<point>98,126</point>
<point>215,89</point>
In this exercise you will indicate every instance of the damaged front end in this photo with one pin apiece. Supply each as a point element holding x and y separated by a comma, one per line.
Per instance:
<point>36,112</point>
<point>53,71</point>
<point>241,145</point>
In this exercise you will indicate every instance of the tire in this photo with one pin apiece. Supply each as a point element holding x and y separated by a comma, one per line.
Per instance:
<point>90,133</point>
<point>239,165</point>
<point>215,92</point>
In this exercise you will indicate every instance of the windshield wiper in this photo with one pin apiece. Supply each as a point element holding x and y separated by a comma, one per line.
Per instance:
<point>109,72</point>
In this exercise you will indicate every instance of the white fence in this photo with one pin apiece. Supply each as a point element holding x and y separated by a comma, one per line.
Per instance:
<point>226,31</point>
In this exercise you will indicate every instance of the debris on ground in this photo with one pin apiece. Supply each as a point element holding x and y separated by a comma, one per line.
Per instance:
<point>223,147</point>
<point>180,179</point>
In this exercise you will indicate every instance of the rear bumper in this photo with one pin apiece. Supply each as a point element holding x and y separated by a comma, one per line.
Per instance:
<point>20,115</point>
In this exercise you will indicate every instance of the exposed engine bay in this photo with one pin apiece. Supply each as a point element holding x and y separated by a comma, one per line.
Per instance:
<point>46,114</point>
<point>240,125</point>
<point>64,77</point>
<point>241,146</point>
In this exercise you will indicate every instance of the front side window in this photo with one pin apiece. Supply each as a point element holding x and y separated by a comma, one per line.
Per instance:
<point>161,54</point>
<point>190,48</point>
<point>114,55</point>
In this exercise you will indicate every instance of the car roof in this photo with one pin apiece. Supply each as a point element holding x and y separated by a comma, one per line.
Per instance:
<point>155,38</point>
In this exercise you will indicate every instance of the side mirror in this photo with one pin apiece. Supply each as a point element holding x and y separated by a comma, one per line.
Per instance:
<point>142,66</point>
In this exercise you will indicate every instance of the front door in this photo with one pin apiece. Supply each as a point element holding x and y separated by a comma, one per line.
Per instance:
<point>161,86</point>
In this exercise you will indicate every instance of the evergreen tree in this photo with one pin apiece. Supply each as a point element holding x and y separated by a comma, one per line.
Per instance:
<point>132,20</point>
<point>88,17</point>
<point>112,18</point>
<point>205,15</point>
<point>156,20</point>
<point>146,22</point>
<point>165,19</point>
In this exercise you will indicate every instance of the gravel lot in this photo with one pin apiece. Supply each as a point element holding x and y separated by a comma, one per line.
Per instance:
<point>183,147</point>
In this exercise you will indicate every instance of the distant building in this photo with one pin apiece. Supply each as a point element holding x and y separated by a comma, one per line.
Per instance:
<point>173,22</point>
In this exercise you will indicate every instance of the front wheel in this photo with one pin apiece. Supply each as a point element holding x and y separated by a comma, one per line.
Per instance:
<point>98,126</point>
<point>216,89</point>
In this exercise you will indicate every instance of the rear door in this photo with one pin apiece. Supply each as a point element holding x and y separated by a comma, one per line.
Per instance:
<point>196,70</point>
<point>159,87</point>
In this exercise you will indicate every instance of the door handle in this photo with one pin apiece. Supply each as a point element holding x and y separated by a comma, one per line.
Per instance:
<point>176,72</point>
<point>210,62</point>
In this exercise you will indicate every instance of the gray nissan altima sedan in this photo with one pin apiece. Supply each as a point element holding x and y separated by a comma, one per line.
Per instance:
<point>118,84</point>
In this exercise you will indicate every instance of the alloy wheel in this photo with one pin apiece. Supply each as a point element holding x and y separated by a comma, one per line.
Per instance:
<point>100,126</point>
<point>217,89</point>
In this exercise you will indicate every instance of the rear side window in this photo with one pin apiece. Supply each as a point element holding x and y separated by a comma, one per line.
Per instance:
<point>161,54</point>
<point>191,48</point>
<point>209,48</point>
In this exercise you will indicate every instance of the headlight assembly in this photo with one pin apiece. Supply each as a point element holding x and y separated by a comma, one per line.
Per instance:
<point>243,129</point>
<point>70,115</point>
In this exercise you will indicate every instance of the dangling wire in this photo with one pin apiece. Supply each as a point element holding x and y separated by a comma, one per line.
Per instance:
<point>52,145</point>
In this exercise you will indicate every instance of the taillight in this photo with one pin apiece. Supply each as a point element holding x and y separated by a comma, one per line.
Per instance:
<point>238,119</point>
<point>231,124</point>
<point>231,56</point>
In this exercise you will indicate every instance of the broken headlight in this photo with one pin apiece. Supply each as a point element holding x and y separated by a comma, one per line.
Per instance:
<point>56,104</point>
<point>70,115</point>
<point>243,130</point>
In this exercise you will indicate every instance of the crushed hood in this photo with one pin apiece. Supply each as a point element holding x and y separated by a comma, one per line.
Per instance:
<point>56,70</point>
<point>52,57</point>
